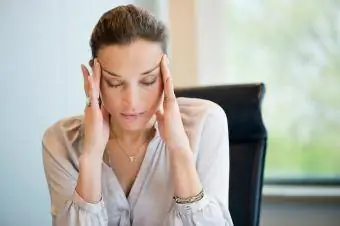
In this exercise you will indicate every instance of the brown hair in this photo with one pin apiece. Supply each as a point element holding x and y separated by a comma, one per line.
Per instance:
<point>124,24</point>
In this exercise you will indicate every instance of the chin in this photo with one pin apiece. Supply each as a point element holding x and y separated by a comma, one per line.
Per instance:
<point>131,126</point>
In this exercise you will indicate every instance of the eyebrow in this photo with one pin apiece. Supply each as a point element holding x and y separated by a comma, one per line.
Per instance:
<point>143,73</point>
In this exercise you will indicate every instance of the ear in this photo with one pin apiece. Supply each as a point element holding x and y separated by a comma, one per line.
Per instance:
<point>91,63</point>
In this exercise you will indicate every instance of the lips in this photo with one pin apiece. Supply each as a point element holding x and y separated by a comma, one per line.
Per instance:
<point>132,116</point>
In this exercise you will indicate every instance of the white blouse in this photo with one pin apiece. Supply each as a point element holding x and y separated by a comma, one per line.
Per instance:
<point>150,201</point>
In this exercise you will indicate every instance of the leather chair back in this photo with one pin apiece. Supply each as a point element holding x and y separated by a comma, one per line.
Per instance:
<point>248,141</point>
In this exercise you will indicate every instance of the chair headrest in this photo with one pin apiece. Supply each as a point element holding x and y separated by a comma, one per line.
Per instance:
<point>242,105</point>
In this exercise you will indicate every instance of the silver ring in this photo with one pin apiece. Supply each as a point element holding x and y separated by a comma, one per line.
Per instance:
<point>88,102</point>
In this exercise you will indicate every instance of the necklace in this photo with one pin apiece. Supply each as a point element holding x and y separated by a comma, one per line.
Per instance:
<point>134,156</point>
<point>131,157</point>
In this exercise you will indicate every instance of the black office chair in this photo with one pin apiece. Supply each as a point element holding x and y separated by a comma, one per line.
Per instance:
<point>248,140</point>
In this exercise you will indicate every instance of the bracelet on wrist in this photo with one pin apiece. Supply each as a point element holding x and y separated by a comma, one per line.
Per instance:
<point>192,199</point>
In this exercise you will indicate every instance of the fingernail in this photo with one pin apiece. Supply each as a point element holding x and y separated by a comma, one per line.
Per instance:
<point>82,67</point>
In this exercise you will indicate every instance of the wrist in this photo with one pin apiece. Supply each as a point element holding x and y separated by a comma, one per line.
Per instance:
<point>92,151</point>
<point>184,174</point>
<point>89,179</point>
<point>88,157</point>
<point>181,156</point>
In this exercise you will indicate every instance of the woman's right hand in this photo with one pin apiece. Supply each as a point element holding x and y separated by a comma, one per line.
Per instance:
<point>96,117</point>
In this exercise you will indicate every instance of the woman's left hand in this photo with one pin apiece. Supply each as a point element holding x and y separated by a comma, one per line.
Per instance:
<point>169,117</point>
<point>185,177</point>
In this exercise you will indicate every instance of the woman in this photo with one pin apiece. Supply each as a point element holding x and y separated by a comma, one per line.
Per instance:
<point>139,155</point>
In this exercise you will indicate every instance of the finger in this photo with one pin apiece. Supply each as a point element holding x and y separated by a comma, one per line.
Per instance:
<point>88,93</point>
<point>96,75</point>
<point>161,104</point>
<point>164,69</point>
<point>92,90</point>
<point>160,111</point>
<point>159,116</point>
<point>169,93</point>
<point>105,114</point>
<point>92,94</point>
<point>86,74</point>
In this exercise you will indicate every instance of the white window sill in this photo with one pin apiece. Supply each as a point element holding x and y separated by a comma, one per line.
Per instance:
<point>294,193</point>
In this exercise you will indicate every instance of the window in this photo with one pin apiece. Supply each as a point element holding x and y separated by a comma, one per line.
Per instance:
<point>291,46</point>
<point>294,48</point>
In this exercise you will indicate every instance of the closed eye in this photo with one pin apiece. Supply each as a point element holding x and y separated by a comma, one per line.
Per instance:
<point>146,81</point>
<point>149,80</point>
<point>114,84</point>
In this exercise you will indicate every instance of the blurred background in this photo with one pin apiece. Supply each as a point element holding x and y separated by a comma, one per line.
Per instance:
<point>291,46</point>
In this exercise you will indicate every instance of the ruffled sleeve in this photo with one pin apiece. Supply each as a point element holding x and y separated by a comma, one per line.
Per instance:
<point>67,207</point>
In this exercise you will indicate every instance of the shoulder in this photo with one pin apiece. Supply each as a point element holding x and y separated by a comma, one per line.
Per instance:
<point>196,111</point>
<point>200,117</point>
<point>199,107</point>
<point>62,138</point>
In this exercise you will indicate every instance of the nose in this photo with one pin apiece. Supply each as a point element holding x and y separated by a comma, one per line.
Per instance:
<point>130,98</point>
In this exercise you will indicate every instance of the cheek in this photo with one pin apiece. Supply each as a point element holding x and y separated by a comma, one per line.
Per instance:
<point>155,97</point>
<point>110,100</point>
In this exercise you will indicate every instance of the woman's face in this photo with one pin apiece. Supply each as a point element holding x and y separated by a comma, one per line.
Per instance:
<point>131,82</point>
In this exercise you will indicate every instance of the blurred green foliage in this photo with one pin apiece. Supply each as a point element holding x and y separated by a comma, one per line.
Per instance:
<point>294,48</point>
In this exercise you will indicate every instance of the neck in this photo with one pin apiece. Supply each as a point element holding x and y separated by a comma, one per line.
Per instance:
<point>132,137</point>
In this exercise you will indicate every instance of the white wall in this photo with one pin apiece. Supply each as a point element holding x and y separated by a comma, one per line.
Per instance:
<point>42,45</point>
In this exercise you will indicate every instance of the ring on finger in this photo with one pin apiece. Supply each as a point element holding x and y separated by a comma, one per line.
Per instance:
<point>88,102</point>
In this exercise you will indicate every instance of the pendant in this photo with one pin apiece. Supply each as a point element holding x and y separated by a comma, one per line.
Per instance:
<point>132,158</point>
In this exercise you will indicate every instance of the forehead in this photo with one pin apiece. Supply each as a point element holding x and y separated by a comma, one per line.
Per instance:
<point>131,59</point>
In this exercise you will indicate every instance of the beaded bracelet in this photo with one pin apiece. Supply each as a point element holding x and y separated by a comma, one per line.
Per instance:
<point>191,199</point>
